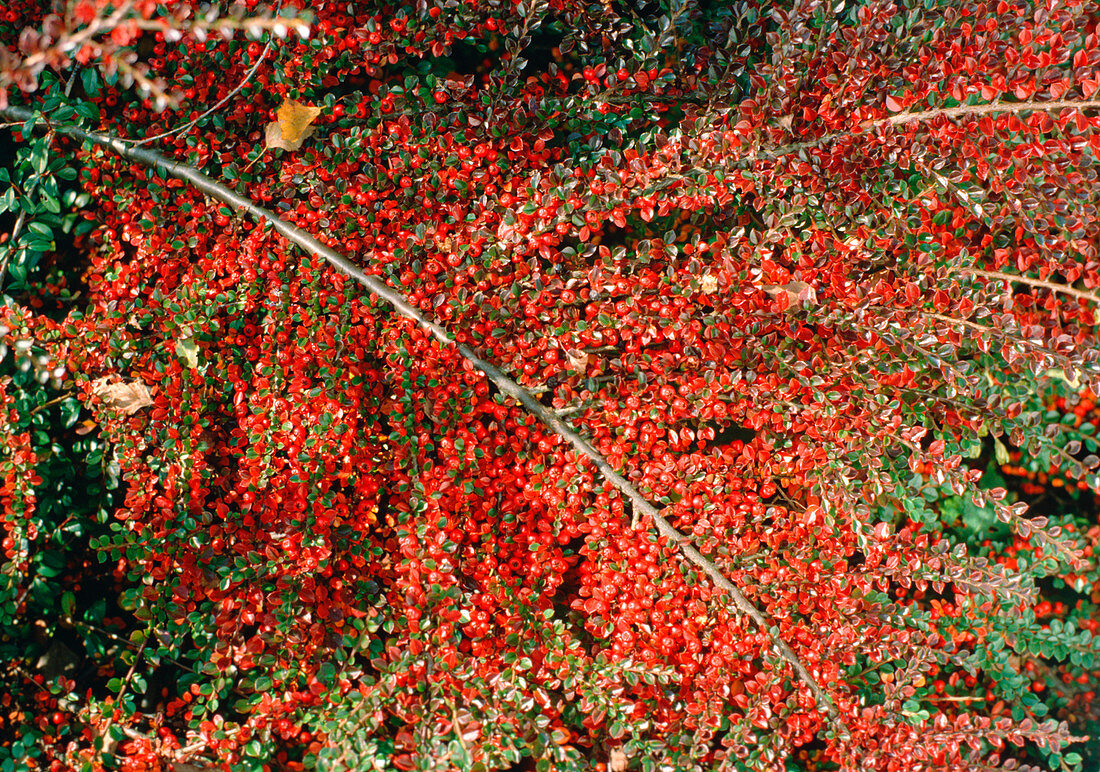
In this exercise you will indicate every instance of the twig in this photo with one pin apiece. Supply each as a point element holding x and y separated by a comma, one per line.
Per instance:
<point>52,402</point>
<point>12,247</point>
<point>1052,286</point>
<point>130,644</point>
<point>903,118</point>
<point>189,125</point>
<point>401,305</point>
<point>982,328</point>
<point>564,411</point>
<point>105,732</point>
<point>456,726</point>
<point>992,107</point>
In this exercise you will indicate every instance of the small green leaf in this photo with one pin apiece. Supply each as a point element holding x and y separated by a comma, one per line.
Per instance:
<point>70,411</point>
<point>28,126</point>
<point>89,78</point>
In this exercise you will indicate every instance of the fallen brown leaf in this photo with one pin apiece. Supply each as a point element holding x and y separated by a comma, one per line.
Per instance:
<point>578,360</point>
<point>127,397</point>
<point>796,291</point>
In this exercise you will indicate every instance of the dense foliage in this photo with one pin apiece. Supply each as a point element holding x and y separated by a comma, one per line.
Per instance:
<point>819,280</point>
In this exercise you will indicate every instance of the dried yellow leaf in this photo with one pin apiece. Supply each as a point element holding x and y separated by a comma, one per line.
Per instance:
<point>292,126</point>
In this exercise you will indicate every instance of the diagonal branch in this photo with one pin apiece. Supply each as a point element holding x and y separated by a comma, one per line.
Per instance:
<point>377,287</point>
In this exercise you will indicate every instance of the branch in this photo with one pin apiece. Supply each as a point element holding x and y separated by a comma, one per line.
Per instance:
<point>1052,286</point>
<point>377,287</point>
<point>992,107</point>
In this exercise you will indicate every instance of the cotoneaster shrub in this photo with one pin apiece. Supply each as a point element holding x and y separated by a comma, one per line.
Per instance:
<point>816,279</point>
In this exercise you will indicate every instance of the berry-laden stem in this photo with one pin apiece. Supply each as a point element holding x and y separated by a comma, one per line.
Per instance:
<point>377,287</point>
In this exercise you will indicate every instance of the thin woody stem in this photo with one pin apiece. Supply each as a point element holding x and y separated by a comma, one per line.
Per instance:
<point>1052,286</point>
<point>984,329</point>
<point>12,245</point>
<point>192,123</point>
<point>401,305</point>
<point>986,109</point>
